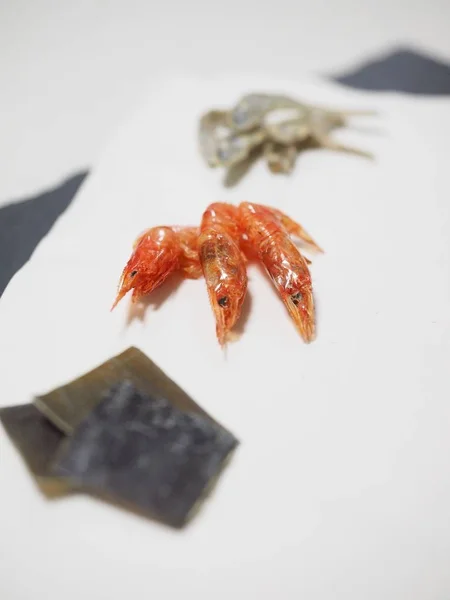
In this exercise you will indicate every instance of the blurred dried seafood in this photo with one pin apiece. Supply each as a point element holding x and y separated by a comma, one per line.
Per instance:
<point>273,127</point>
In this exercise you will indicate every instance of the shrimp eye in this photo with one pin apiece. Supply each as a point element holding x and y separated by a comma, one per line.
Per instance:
<point>133,273</point>
<point>223,301</point>
<point>296,298</point>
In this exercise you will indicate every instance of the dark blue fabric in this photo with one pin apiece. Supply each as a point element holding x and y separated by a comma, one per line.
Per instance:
<point>404,71</point>
<point>23,224</point>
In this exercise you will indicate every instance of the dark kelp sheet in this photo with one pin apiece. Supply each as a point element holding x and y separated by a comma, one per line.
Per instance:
<point>37,440</point>
<point>125,432</point>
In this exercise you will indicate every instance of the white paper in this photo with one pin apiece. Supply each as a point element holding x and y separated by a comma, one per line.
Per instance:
<point>341,486</point>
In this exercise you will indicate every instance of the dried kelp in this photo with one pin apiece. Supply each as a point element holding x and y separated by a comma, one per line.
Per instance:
<point>141,449</point>
<point>125,432</point>
<point>69,404</point>
<point>37,440</point>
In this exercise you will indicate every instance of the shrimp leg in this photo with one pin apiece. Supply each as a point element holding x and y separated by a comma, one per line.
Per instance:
<point>189,259</point>
<point>295,229</point>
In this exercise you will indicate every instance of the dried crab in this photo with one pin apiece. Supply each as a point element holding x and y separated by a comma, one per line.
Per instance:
<point>219,249</point>
<point>275,126</point>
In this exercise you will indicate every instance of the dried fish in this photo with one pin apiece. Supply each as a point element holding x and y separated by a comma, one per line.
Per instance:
<point>274,126</point>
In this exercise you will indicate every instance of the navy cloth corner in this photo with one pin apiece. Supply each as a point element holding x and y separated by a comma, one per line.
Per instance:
<point>403,71</point>
<point>23,224</point>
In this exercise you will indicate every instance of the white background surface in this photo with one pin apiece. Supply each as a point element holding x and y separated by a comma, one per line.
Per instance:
<point>70,70</point>
<point>341,488</point>
<point>366,515</point>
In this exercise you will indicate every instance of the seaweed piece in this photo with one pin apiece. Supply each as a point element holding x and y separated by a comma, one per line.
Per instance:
<point>37,440</point>
<point>69,404</point>
<point>135,446</point>
<point>125,432</point>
